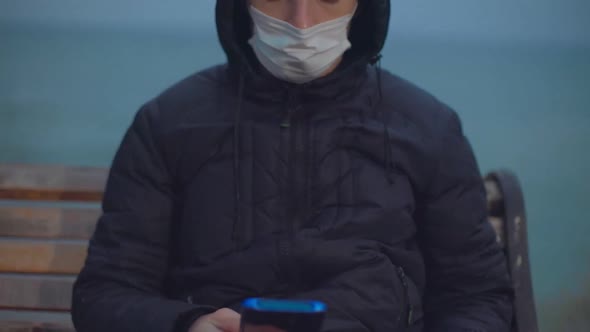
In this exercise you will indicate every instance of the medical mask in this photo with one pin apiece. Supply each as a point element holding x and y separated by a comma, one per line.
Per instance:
<point>298,55</point>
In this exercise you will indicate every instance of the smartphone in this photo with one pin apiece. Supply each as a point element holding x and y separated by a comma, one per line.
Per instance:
<point>284,314</point>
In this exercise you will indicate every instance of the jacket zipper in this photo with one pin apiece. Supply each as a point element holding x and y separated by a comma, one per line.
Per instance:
<point>286,123</point>
<point>288,128</point>
<point>288,135</point>
<point>407,304</point>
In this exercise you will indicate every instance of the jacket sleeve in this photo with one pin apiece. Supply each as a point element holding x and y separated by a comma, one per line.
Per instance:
<point>467,282</point>
<point>120,288</point>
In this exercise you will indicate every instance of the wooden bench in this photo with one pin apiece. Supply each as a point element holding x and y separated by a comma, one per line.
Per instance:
<point>48,213</point>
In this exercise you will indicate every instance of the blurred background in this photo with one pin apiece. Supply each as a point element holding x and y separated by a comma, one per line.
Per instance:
<point>73,73</point>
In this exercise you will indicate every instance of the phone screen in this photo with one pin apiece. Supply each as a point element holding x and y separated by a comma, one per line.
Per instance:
<point>284,314</point>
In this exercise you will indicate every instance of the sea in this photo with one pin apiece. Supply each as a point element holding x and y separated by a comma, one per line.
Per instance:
<point>68,93</point>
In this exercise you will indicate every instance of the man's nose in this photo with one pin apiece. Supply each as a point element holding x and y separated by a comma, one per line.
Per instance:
<point>301,14</point>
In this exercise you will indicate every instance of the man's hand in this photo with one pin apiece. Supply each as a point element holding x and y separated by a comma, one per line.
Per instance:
<point>226,320</point>
<point>223,320</point>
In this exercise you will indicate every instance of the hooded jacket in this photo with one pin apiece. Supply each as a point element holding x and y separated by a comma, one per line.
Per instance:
<point>357,189</point>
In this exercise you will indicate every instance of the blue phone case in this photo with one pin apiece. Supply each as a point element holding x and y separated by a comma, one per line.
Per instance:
<point>287,315</point>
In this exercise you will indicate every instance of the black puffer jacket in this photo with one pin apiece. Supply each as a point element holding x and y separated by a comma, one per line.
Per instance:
<point>357,189</point>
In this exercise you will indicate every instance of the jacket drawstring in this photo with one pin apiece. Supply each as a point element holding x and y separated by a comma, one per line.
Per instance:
<point>237,231</point>
<point>387,145</point>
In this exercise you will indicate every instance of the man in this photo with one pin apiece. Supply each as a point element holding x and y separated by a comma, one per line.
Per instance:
<point>297,170</point>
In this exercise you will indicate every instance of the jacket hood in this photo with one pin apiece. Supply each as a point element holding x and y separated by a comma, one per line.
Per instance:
<point>367,34</point>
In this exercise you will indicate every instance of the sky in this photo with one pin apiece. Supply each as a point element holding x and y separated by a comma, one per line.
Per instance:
<point>552,21</point>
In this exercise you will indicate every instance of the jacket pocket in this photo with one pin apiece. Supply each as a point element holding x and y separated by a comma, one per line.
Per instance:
<point>411,312</point>
<point>407,310</point>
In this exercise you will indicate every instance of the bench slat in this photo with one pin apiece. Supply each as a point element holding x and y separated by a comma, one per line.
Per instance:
<point>36,292</point>
<point>26,326</point>
<point>35,316</point>
<point>30,256</point>
<point>48,222</point>
<point>51,182</point>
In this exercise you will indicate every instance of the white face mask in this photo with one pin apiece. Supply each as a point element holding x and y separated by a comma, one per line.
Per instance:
<point>298,55</point>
